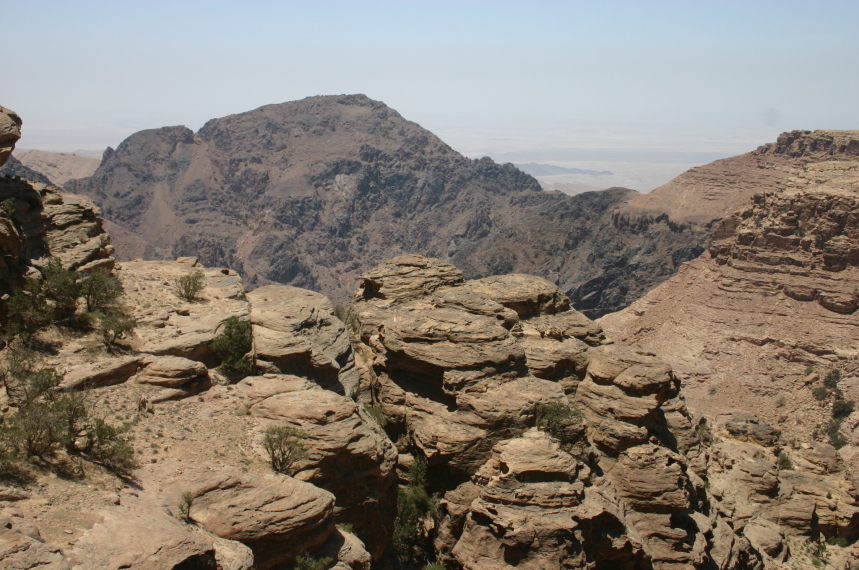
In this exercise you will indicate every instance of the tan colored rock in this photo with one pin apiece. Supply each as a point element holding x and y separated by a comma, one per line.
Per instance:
<point>406,277</point>
<point>528,295</point>
<point>10,132</point>
<point>138,537</point>
<point>104,373</point>
<point>20,552</point>
<point>171,371</point>
<point>60,167</point>
<point>296,332</point>
<point>341,438</point>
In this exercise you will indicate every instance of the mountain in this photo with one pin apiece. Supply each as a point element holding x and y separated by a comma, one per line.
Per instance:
<point>58,166</point>
<point>535,169</point>
<point>14,167</point>
<point>761,321</point>
<point>313,192</point>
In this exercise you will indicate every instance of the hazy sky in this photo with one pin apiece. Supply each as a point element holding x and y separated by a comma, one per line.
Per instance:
<point>518,79</point>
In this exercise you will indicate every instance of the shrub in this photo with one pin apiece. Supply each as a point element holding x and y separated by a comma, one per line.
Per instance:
<point>27,311</point>
<point>809,370</point>
<point>842,408</point>
<point>820,393</point>
<point>8,206</point>
<point>837,541</point>
<point>284,448</point>
<point>780,402</point>
<point>116,323</point>
<point>703,432</point>
<point>434,566</point>
<point>413,504</point>
<point>556,417</point>
<point>100,289</point>
<point>784,463</point>
<point>61,286</point>
<point>185,503</point>
<point>377,414</point>
<point>346,316</point>
<point>233,344</point>
<point>48,421</point>
<point>832,379</point>
<point>190,286</point>
<point>712,390</point>
<point>308,563</point>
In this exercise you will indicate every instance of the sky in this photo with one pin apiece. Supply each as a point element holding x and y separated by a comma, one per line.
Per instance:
<point>559,82</point>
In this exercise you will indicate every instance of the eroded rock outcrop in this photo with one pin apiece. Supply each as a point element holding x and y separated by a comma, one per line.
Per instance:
<point>449,365</point>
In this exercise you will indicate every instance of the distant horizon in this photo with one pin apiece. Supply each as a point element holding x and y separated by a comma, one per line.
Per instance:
<point>667,80</point>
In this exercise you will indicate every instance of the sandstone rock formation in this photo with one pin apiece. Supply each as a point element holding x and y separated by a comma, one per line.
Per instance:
<point>449,365</point>
<point>10,132</point>
<point>313,193</point>
<point>199,439</point>
<point>759,323</point>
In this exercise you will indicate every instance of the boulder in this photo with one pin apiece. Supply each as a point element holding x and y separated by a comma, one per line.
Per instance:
<point>295,332</point>
<point>20,552</point>
<point>10,132</point>
<point>171,371</point>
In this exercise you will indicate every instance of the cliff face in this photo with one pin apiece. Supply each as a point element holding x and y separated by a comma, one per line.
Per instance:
<point>760,322</point>
<point>314,192</point>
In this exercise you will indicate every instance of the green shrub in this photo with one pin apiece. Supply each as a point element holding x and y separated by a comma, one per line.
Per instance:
<point>809,370</point>
<point>555,417</point>
<point>8,206</point>
<point>233,344</point>
<point>190,286</point>
<point>100,289</point>
<point>27,311</point>
<point>377,414</point>
<point>284,448</point>
<point>61,286</point>
<point>48,421</point>
<point>185,503</point>
<point>832,379</point>
<point>784,463</point>
<point>703,432</point>
<point>116,323</point>
<point>413,505</point>
<point>820,393</point>
<point>434,566</point>
<point>842,408</point>
<point>346,315</point>
<point>837,541</point>
<point>308,563</point>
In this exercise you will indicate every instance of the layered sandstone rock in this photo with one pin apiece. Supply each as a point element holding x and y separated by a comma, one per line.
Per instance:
<point>451,369</point>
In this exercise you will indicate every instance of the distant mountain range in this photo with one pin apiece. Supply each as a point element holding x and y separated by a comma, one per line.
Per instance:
<point>313,193</point>
<point>535,169</point>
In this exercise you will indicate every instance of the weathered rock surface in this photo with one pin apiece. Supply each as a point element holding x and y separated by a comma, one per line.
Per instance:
<point>454,382</point>
<point>10,132</point>
<point>295,331</point>
<point>344,182</point>
<point>775,297</point>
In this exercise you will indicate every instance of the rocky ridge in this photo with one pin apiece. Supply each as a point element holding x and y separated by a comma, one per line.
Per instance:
<point>312,193</point>
<point>460,370</point>
<point>59,167</point>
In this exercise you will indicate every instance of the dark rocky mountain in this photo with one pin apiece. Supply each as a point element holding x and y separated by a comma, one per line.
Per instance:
<point>314,192</point>
<point>14,167</point>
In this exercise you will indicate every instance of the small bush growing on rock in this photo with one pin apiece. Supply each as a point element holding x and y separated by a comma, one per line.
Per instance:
<point>284,448</point>
<point>100,290</point>
<point>820,393</point>
<point>703,432</point>
<point>61,286</point>
<point>837,541</point>
<point>48,421</point>
<point>780,402</point>
<point>832,379</point>
<point>27,311</point>
<point>190,286</point>
<point>309,563</point>
<point>8,206</point>
<point>784,463</point>
<point>377,414</point>
<point>413,505</point>
<point>434,566</point>
<point>185,503</point>
<point>346,316</point>
<point>233,344</point>
<point>836,438</point>
<point>842,408</point>
<point>809,370</point>
<point>116,323</point>
<point>556,417</point>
